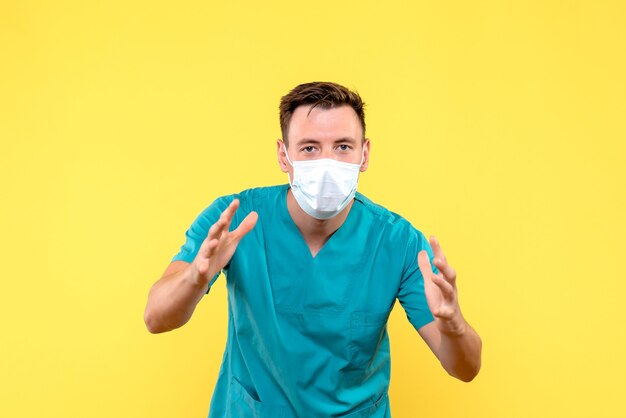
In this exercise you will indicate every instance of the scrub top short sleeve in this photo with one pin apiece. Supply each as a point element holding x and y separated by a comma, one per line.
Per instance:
<point>199,229</point>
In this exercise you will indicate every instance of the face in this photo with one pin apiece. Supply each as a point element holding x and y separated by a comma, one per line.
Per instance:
<point>324,133</point>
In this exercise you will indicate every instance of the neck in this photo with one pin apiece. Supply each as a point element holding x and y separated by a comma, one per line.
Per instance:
<point>315,231</point>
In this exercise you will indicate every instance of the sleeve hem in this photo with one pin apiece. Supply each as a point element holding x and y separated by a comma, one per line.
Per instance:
<point>182,257</point>
<point>425,320</point>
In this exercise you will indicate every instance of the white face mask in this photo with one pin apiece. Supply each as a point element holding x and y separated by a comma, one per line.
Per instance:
<point>324,187</point>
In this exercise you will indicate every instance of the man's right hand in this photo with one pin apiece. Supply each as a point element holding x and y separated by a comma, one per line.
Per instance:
<point>220,244</point>
<point>173,298</point>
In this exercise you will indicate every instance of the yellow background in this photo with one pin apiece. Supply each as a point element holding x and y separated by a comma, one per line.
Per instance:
<point>497,126</point>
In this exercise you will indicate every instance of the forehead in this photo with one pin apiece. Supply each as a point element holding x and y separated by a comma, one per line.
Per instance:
<point>318,123</point>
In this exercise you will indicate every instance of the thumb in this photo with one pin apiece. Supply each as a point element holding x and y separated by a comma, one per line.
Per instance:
<point>424,264</point>
<point>245,226</point>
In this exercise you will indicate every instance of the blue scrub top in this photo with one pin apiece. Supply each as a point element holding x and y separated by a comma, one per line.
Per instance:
<point>307,336</point>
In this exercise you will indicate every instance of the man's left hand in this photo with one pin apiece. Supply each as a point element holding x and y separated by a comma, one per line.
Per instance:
<point>441,291</point>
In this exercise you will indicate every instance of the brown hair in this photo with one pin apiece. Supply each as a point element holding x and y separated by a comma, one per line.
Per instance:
<point>326,95</point>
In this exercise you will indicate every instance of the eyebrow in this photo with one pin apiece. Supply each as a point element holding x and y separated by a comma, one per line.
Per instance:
<point>315,141</point>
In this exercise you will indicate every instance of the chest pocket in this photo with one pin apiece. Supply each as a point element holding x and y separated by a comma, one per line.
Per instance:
<point>368,338</point>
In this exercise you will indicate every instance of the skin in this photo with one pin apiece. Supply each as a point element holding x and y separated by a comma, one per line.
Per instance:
<point>317,133</point>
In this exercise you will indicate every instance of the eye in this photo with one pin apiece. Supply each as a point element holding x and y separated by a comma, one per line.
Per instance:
<point>308,149</point>
<point>344,147</point>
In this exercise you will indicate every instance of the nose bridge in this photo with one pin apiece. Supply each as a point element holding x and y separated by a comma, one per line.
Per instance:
<point>328,149</point>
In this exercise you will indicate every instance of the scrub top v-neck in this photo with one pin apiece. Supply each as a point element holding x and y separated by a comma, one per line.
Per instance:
<point>296,235</point>
<point>307,336</point>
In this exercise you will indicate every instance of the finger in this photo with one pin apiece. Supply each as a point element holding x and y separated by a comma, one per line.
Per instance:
<point>424,264</point>
<point>245,226</point>
<point>444,312</point>
<point>220,227</point>
<point>448,272</point>
<point>447,291</point>
<point>203,251</point>
<point>211,247</point>
<point>206,252</point>
<point>228,216</point>
<point>441,262</point>
<point>229,212</point>
<point>225,217</point>
<point>202,266</point>
<point>215,232</point>
<point>437,251</point>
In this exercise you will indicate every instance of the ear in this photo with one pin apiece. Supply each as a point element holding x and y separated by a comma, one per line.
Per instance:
<point>280,154</point>
<point>366,154</point>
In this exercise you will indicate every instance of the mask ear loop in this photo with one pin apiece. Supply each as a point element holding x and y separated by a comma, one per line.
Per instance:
<point>362,158</point>
<point>288,160</point>
<point>287,155</point>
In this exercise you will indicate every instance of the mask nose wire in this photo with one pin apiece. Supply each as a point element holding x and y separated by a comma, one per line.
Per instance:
<point>290,163</point>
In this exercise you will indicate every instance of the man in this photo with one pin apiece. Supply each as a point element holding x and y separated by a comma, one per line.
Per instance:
<point>313,270</point>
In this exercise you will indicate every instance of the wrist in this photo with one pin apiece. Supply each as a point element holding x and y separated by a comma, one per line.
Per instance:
<point>455,327</point>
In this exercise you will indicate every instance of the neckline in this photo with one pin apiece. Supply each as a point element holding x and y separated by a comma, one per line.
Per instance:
<point>286,216</point>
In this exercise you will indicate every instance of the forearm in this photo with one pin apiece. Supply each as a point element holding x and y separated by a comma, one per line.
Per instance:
<point>460,352</point>
<point>172,300</point>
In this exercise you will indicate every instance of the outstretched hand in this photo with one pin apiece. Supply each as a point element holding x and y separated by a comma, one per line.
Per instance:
<point>441,291</point>
<point>220,244</point>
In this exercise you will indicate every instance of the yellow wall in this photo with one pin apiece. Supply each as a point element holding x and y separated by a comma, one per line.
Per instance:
<point>497,126</point>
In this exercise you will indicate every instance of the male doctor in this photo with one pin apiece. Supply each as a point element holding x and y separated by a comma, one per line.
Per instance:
<point>313,269</point>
